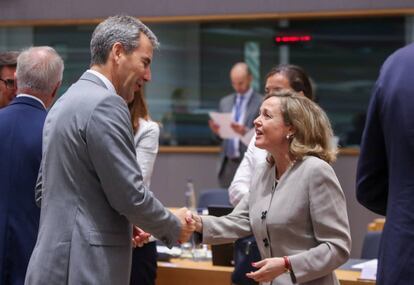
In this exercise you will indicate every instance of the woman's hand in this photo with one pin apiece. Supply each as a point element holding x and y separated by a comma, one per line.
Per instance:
<point>139,237</point>
<point>198,223</point>
<point>269,269</point>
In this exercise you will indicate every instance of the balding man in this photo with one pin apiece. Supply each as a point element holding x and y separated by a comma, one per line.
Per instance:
<point>38,76</point>
<point>8,61</point>
<point>244,105</point>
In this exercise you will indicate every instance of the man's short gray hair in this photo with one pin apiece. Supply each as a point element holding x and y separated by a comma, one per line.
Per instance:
<point>39,69</point>
<point>123,29</point>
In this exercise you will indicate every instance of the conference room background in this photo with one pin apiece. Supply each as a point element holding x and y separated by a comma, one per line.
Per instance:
<point>191,69</point>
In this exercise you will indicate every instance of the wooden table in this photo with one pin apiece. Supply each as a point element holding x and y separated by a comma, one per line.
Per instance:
<point>348,277</point>
<point>188,272</point>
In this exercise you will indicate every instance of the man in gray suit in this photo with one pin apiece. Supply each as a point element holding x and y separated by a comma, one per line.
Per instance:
<point>244,104</point>
<point>90,184</point>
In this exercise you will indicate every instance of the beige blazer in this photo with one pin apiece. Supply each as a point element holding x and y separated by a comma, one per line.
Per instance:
<point>303,217</point>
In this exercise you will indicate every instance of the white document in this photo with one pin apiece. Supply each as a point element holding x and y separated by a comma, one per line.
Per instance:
<point>174,251</point>
<point>372,262</point>
<point>369,269</point>
<point>248,136</point>
<point>224,120</point>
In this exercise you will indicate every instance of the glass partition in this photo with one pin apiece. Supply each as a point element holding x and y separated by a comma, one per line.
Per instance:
<point>190,71</point>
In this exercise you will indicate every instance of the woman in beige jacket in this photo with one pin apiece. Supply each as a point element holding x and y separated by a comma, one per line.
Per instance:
<point>296,208</point>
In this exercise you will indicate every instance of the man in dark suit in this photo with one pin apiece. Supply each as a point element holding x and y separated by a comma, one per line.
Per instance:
<point>244,105</point>
<point>385,180</point>
<point>8,61</point>
<point>38,75</point>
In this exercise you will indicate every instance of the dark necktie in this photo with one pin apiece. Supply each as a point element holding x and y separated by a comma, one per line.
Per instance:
<point>231,148</point>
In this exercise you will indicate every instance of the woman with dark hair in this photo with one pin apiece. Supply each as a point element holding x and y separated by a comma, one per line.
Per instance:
<point>289,76</point>
<point>296,208</point>
<point>146,135</point>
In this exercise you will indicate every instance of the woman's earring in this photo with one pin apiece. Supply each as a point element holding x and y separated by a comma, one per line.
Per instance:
<point>288,137</point>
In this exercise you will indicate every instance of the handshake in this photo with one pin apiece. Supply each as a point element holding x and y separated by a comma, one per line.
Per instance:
<point>190,222</point>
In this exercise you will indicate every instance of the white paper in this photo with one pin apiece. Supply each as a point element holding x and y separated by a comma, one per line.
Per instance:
<point>248,136</point>
<point>369,269</point>
<point>224,121</point>
<point>174,251</point>
<point>372,262</point>
<point>369,272</point>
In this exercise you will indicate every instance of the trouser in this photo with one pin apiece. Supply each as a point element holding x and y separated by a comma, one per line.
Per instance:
<point>228,170</point>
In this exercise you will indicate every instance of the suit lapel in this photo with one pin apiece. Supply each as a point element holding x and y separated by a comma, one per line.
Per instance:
<point>250,108</point>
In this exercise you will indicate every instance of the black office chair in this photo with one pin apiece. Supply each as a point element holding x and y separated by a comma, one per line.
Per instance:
<point>371,244</point>
<point>218,197</point>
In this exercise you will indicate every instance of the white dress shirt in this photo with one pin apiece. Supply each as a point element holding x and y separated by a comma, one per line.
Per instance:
<point>105,80</point>
<point>241,120</point>
<point>146,146</point>
<point>242,179</point>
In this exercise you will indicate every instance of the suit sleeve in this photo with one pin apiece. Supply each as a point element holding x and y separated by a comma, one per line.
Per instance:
<point>372,170</point>
<point>111,149</point>
<point>329,218</point>
<point>218,230</point>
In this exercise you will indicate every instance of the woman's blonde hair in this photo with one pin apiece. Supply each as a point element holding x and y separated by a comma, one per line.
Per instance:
<point>312,131</point>
<point>138,109</point>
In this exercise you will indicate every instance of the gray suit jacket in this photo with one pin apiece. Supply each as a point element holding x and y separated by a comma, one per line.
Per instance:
<point>92,191</point>
<point>306,219</point>
<point>252,111</point>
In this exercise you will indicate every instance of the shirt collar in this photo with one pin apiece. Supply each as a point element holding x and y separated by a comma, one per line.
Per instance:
<point>246,95</point>
<point>33,97</point>
<point>104,79</point>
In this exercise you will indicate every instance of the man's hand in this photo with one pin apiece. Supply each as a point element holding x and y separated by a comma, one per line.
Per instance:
<point>187,224</point>
<point>239,128</point>
<point>269,269</point>
<point>214,127</point>
<point>139,237</point>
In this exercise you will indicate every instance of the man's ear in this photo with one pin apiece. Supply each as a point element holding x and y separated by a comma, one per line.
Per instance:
<point>55,90</point>
<point>117,51</point>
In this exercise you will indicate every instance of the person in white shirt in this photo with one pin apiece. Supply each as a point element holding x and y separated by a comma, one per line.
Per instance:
<point>146,140</point>
<point>284,76</point>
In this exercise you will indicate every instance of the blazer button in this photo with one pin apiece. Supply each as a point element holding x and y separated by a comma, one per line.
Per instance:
<point>266,242</point>
<point>264,213</point>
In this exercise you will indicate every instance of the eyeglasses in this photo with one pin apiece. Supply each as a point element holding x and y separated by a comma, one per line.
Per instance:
<point>8,82</point>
